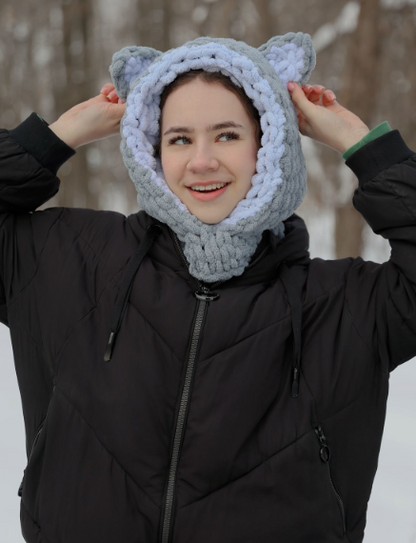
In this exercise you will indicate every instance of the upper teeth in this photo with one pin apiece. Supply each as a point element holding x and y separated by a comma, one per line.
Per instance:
<point>208,187</point>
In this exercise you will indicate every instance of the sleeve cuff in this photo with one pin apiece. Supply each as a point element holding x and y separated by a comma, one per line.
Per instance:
<point>376,132</point>
<point>41,142</point>
<point>378,155</point>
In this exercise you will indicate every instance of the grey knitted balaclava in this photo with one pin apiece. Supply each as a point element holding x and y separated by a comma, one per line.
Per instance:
<point>217,252</point>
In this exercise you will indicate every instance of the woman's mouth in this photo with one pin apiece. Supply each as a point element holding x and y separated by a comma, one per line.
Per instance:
<point>209,192</point>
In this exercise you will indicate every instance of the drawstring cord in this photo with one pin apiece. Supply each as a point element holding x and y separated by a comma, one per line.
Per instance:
<point>295,303</point>
<point>127,282</point>
<point>126,285</point>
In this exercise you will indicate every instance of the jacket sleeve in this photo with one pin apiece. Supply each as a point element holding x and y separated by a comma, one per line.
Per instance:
<point>382,297</point>
<point>30,156</point>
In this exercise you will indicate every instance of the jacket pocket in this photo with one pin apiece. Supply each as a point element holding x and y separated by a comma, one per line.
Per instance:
<point>325,455</point>
<point>34,442</point>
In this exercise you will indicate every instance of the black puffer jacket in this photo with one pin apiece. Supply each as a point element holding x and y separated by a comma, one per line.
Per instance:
<point>192,429</point>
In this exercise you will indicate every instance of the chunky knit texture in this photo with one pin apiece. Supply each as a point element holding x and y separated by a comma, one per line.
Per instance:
<point>219,251</point>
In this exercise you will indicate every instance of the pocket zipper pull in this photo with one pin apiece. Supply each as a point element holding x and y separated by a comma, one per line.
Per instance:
<point>110,346</point>
<point>295,383</point>
<point>324,452</point>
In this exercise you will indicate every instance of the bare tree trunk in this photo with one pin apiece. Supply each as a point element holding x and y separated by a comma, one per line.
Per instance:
<point>358,91</point>
<point>154,22</point>
<point>224,19</point>
<point>167,23</point>
<point>77,87</point>
<point>144,22</point>
<point>88,88</point>
<point>267,26</point>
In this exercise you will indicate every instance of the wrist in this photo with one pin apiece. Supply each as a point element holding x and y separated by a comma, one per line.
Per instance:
<point>351,139</point>
<point>379,130</point>
<point>65,134</point>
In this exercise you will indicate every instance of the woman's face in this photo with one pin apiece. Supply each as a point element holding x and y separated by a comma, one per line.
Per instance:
<point>207,138</point>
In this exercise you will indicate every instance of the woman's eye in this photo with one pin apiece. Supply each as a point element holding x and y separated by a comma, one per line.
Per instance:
<point>182,140</point>
<point>178,140</point>
<point>229,135</point>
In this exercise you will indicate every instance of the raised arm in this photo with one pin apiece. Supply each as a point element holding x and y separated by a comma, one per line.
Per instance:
<point>30,157</point>
<point>381,298</point>
<point>32,153</point>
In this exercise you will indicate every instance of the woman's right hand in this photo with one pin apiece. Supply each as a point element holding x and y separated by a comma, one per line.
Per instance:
<point>92,120</point>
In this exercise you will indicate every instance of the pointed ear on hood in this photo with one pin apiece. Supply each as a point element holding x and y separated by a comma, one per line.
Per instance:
<point>128,64</point>
<point>292,56</point>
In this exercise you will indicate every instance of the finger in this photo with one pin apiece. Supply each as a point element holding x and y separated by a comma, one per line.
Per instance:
<point>310,93</point>
<point>112,96</point>
<point>316,94</point>
<point>307,89</point>
<point>107,88</point>
<point>99,98</point>
<point>315,99</point>
<point>299,99</point>
<point>313,88</point>
<point>328,96</point>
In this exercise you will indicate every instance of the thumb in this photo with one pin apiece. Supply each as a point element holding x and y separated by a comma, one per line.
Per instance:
<point>299,99</point>
<point>116,111</point>
<point>119,108</point>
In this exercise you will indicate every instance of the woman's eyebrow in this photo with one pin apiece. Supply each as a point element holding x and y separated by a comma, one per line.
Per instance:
<point>211,127</point>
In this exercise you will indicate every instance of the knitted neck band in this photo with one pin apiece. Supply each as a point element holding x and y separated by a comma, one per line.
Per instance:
<point>217,252</point>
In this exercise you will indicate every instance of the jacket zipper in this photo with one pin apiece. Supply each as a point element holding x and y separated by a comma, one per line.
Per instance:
<point>204,295</point>
<point>19,492</point>
<point>325,455</point>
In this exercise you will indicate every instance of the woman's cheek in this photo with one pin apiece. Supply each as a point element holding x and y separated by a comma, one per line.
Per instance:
<point>167,167</point>
<point>250,159</point>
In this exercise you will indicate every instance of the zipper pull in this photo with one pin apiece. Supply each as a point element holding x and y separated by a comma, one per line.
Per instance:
<point>324,452</point>
<point>205,294</point>
<point>295,383</point>
<point>110,346</point>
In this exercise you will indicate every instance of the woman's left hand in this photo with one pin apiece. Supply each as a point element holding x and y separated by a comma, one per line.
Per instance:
<point>323,119</point>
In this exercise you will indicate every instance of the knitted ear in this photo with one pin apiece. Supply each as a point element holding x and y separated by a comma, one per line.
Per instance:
<point>292,56</point>
<point>127,64</point>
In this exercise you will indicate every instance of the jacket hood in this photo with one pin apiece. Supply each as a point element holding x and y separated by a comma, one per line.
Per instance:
<point>217,252</point>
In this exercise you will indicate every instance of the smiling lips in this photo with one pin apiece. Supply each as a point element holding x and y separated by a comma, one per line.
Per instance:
<point>208,195</point>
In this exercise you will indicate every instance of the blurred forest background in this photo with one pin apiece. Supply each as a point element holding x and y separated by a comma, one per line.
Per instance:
<point>56,53</point>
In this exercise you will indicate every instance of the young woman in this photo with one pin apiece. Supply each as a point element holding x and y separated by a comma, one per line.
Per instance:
<point>188,373</point>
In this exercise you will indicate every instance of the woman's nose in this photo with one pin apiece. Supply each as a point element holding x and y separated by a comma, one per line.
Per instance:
<point>202,159</point>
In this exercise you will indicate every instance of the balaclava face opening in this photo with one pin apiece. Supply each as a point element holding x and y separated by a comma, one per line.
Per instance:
<point>214,79</point>
<point>217,252</point>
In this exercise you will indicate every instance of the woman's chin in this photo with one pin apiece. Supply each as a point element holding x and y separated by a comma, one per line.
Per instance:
<point>209,220</point>
<point>209,217</point>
